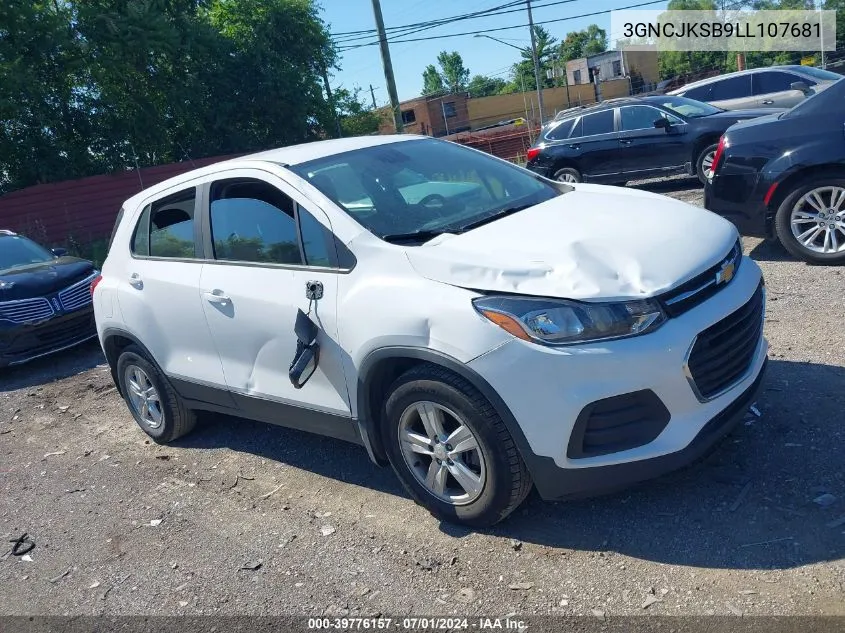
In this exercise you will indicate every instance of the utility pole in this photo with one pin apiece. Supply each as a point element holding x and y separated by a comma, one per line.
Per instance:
<point>388,67</point>
<point>536,61</point>
<point>373,95</point>
<point>331,101</point>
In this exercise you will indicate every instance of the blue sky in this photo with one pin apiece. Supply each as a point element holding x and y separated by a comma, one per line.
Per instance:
<point>362,66</point>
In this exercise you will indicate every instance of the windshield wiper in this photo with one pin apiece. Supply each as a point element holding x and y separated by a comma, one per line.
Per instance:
<point>498,215</point>
<point>413,236</point>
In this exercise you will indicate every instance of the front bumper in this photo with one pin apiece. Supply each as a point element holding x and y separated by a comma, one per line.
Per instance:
<point>22,343</point>
<point>547,390</point>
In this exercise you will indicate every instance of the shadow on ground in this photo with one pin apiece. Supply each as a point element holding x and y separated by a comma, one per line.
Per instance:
<point>749,505</point>
<point>771,251</point>
<point>667,185</point>
<point>54,367</point>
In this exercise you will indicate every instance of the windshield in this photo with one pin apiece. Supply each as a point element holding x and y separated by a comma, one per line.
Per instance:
<point>690,108</point>
<point>423,186</point>
<point>825,101</point>
<point>18,251</point>
<point>818,73</point>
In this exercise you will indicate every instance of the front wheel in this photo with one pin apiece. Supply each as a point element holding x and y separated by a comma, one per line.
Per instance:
<point>810,222</point>
<point>451,450</point>
<point>704,162</point>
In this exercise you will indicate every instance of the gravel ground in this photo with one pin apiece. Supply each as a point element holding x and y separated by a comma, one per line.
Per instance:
<point>244,518</point>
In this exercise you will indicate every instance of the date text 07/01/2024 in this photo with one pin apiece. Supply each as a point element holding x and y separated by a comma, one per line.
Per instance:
<point>411,623</point>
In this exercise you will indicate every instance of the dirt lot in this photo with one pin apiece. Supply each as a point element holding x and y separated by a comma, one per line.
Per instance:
<point>244,518</point>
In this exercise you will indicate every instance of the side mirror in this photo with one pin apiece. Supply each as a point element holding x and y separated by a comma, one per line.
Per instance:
<point>799,85</point>
<point>662,123</point>
<point>307,356</point>
<point>59,252</point>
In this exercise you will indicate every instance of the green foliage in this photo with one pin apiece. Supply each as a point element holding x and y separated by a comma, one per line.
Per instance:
<point>522,73</point>
<point>356,118</point>
<point>91,86</point>
<point>432,81</point>
<point>453,76</point>
<point>481,86</point>
<point>578,44</point>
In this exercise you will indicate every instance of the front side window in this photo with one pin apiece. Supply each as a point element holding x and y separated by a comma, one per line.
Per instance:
<point>639,117</point>
<point>731,88</point>
<point>166,228</point>
<point>252,221</point>
<point>598,123</point>
<point>17,251</point>
<point>774,81</point>
<point>702,93</point>
<point>422,186</point>
<point>689,108</point>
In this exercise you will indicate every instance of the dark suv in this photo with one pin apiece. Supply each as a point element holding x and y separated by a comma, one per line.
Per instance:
<point>631,138</point>
<point>45,300</point>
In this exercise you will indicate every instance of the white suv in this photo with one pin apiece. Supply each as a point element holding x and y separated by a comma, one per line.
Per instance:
<point>476,326</point>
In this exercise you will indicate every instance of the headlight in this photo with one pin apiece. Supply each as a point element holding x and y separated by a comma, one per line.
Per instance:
<point>563,322</point>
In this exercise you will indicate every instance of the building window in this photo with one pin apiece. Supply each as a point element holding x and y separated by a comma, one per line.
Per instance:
<point>617,68</point>
<point>449,109</point>
<point>409,116</point>
<point>576,77</point>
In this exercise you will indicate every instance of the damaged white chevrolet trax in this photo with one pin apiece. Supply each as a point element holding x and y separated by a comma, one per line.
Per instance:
<point>479,328</point>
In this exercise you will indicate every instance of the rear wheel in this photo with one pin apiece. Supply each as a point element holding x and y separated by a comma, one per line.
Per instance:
<point>568,175</point>
<point>451,450</point>
<point>704,162</point>
<point>810,222</point>
<point>154,404</point>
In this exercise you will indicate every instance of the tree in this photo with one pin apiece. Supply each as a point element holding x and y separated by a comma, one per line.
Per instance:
<point>481,86</point>
<point>356,119</point>
<point>522,73</point>
<point>453,76</point>
<point>432,81</point>
<point>578,44</point>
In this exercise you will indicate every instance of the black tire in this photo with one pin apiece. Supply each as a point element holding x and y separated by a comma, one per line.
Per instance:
<point>570,171</point>
<point>699,162</point>
<point>507,481</point>
<point>783,229</point>
<point>177,420</point>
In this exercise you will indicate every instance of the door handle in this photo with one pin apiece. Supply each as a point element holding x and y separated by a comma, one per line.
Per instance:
<point>625,141</point>
<point>136,282</point>
<point>575,146</point>
<point>768,102</point>
<point>216,297</point>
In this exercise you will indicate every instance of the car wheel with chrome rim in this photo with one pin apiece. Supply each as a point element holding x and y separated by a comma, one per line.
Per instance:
<point>568,175</point>
<point>153,402</point>
<point>451,450</point>
<point>810,221</point>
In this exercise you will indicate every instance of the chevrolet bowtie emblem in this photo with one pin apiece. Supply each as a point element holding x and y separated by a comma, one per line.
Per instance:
<point>726,273</point>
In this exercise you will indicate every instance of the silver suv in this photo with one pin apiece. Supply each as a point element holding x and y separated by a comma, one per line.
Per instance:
<point>772,87</point>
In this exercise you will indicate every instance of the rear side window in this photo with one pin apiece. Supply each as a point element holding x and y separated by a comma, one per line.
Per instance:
<point>561,131</point>
<point>702,93</point>
<point>166,228</point>
<point>731,88</point>
<point>775,81</point>
<point>598,123</point>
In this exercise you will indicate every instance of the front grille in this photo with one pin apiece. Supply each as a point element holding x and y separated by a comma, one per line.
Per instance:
<point>66,331</point>
<point>618,423</point>
<point>77,296</point>
<point>722,354</point>
<point>26,310</point>
<point>701,287</point>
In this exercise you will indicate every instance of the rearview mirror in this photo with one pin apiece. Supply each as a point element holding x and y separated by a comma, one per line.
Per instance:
<point>59,252</point>
<point>799,85</point>
<point>662,123</point>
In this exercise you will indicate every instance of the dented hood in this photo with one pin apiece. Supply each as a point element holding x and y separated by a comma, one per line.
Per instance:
<point>592,243</point>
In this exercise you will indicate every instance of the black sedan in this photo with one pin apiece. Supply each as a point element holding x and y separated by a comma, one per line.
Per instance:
<point>631,138</point>
<point>45,300</point>
<point>784,176</point>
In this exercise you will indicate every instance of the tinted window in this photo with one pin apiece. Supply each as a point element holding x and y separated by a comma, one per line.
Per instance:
<point>702,93</point>
<point>561,130</point>
<point>818,73</point>
<point>773,81</point>
<point>598,123</point>
<point>316,240</point>
<point>731,88</point>
<point>252,221</point>
<point>639,117</point>
<point>16,250</point>
<point>166,228</point>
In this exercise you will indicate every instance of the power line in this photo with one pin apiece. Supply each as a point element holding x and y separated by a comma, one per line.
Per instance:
<point>506,28</point>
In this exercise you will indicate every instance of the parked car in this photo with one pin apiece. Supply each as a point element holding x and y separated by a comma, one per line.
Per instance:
<point>783,176</point>
<point>45,300</point>
<point>631,138</point>
<point>772,87</point>
<point>512,330</point>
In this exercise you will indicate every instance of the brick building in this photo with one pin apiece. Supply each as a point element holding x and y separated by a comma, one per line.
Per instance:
<point>431,116</point>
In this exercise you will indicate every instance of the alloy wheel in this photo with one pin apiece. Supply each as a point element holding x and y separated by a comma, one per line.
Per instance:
<point>442,453</point>
<point>143,396</point>
<point>707,162</point>
<point>818,220</point>
<point>567,177</point>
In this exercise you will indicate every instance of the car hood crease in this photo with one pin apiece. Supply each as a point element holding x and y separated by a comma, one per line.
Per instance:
<point>593,243</point>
